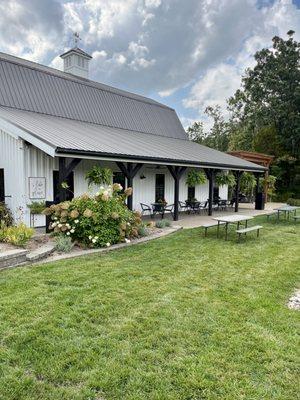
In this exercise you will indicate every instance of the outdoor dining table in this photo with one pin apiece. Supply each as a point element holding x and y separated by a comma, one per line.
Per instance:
<point>232,219</point>
<point>159,208</point>
<point>286,210</point>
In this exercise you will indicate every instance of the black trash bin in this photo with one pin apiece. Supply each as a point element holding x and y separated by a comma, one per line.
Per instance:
<point>260,201</point>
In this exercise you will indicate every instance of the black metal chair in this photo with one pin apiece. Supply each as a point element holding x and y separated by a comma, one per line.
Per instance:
<point>169,208</point>
<point>203,206</point>
<point>145,208</point>
<point>183,206</point>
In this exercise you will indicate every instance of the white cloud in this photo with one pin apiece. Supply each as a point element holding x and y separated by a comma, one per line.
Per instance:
<point>152,46</point>
<point>221,80</point>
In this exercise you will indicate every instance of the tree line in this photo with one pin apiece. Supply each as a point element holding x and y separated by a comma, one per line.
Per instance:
<point>264,114</point>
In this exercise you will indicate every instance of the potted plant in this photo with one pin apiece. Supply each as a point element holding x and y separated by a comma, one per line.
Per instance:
<point>37,207</point>
<point>195,178</point>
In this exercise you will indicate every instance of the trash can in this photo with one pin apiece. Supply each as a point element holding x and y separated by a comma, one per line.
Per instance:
<point>260,201</point>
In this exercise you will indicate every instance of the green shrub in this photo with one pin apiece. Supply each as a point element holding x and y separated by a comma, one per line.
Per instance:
<point>63,244</point>
<point>17,235</point>
<point>143,231</point>
<point>163,223</point>
<point>294,202</point>
<point>96,221</point>
<point>5,215</point>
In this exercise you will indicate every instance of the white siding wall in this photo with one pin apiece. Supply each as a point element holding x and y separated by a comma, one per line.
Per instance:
<point>12,160</point>
<point>21,162</point>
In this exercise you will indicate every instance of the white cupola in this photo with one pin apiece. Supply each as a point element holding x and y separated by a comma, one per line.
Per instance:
<point>76,62</point>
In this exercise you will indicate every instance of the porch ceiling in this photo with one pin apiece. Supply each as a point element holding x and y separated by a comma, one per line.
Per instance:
<point>70,137</point>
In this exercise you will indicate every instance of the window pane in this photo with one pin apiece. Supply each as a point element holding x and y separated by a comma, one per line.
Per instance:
<point>159,187</point>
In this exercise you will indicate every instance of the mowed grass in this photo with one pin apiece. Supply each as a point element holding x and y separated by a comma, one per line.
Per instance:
<point>183,317</point>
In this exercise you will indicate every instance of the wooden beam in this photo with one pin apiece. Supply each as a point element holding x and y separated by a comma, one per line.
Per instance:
<point>64,171</point>
<point>130,170</point>
<point>177,173</point>
<point>210,173</point>
<point>238,175</point>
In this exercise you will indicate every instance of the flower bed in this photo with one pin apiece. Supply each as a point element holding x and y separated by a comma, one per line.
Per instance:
<point>96,221</point>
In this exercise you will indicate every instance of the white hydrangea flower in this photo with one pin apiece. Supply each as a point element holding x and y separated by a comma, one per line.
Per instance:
<point>96,237</point>
<point>55,218</point>
<point>68,233</point>
<point>94,240</point>
<point>72,230</point>
<point>54,224</point>
<point>107,244</point>
<point>59,225</point>
<point>90,237</point>
<point>127,240</point>
<point>76,221</point>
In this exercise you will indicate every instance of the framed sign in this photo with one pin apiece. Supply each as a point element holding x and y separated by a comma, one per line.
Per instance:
<point>37,188</point>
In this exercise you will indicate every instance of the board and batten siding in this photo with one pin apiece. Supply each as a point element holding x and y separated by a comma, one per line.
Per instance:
<point>12,161</point>
<point>21,161</point>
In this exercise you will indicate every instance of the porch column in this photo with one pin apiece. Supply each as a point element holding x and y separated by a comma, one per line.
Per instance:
<point>210,173</point>
<point>130,170</point>
<point>64,171</point>
<point>176,172</point>
<point>238,175</point>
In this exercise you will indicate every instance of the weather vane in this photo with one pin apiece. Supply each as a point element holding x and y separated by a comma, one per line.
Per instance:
<point>77,38</point>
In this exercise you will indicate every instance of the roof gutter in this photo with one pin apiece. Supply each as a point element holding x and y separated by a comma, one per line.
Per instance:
<point>150,160</point>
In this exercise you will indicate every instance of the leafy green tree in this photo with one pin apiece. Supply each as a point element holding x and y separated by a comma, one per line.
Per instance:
<point>270,93</point>
<point>217,137</point>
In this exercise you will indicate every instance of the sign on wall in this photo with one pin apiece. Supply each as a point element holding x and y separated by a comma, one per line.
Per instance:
<point>37,188</point>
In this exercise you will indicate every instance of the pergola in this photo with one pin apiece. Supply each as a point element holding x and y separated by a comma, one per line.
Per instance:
<point>257,158</point>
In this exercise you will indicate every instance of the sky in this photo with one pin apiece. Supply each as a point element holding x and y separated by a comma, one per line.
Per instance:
<point>188,54</point>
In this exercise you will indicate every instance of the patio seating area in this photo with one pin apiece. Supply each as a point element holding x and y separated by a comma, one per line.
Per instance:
<point>190,219</point>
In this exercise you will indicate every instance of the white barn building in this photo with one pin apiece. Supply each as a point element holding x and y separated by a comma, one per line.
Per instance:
<point>54,126</point>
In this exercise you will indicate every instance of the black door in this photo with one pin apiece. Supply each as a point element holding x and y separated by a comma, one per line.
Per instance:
<point>70,182</point>
<point>159,187</point>
<point>2,191</point>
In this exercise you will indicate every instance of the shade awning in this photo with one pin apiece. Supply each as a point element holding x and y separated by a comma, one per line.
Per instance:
<point>67,136</point>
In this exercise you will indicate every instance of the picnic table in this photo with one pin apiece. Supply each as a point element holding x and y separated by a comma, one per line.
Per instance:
<point>232,219</point>
<point>286,210</point>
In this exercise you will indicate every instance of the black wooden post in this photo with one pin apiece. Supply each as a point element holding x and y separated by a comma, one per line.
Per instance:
<point>237,190</point>
<point>61,193</point>
<point>210,173</point>
<point>64,171</point>
<point>130,170</point>
<point>176,172</point>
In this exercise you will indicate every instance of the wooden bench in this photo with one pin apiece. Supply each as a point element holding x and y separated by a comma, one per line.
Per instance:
<point>250,229</point>
<point>211,225</point>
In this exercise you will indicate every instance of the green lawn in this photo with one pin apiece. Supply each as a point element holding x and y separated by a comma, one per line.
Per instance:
<point>183,317</point>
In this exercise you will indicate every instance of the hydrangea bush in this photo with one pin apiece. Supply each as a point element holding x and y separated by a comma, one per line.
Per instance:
<point>96,221</point>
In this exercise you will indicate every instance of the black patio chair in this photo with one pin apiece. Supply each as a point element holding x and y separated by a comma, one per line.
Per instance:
<point>169,208</point>
<point>145,208</point>
<point>195,207</point>
<point>183,206</point>
<point>203,206</point>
